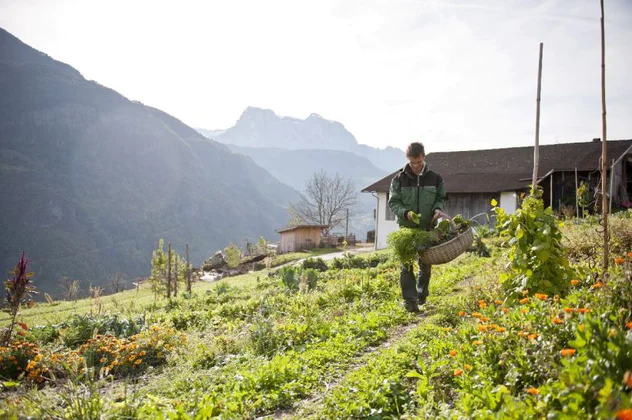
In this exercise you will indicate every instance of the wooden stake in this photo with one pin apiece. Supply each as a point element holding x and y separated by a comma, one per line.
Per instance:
<point>169,272</point>
<point>188,270</point>
<point>576,196</point>
<point>604,147</point>
<point>175,278</point>
<point>536,148</point>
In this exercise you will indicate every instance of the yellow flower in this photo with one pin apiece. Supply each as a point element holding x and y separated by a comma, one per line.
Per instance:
<point>138,362</point>
<point>524,300</point>
<point>533,391</point>
<point>467,367</point>
<point>498,302</point>
<point>524,311</point>
<point>458,372</point>
<point>477,314</point>
<point>482,304</point>
<point>477,342</point>
<point>500,329</point>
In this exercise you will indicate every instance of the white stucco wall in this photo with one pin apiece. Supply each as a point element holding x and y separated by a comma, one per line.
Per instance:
<point>383,227</point>
<point>509,201</point>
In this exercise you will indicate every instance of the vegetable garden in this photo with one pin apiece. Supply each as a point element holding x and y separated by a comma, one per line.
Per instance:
<point>535,330</point>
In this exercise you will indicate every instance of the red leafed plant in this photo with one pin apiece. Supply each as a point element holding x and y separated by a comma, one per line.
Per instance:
<point>20,289</point>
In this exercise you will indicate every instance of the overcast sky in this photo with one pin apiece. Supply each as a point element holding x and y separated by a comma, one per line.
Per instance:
<point>454,74</point>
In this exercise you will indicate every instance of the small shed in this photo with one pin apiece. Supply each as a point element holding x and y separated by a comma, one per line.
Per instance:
<point>296,238</point>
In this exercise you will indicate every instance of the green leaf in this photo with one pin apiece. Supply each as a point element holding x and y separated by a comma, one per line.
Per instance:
<point>414,374</point>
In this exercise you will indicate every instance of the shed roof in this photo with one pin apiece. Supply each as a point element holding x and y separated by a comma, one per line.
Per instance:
<point>496,170</point>
<point>291,228</point>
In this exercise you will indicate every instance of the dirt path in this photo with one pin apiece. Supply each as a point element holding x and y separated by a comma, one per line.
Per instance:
<point>309,405</point>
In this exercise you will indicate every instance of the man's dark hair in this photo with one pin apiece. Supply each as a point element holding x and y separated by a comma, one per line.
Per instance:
<point>415,149</point>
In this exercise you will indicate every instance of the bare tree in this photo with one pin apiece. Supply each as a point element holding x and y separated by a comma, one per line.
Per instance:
<point>117,282</point>
<point>70,287</point>
<point>325,201</point>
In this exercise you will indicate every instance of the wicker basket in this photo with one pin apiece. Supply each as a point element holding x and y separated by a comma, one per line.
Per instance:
<point>448,251</point>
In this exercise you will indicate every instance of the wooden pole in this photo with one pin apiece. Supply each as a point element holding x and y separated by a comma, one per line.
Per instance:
<point>188,270</point>
<point>169,272</point>
<point>175,279</point>
<point>611,187</point>
<point>576,196</point>
<point>536,148</point>
<point>604,147</point>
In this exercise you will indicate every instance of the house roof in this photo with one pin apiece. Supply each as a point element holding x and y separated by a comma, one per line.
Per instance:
<point>510,169</point>
<point>291,228</point>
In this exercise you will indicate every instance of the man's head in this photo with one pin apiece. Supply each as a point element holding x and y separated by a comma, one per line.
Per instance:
<point>415,155</point>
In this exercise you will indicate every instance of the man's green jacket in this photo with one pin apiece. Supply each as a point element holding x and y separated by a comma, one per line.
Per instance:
<point>423,194</point>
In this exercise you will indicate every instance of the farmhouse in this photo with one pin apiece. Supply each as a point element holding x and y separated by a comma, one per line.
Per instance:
<point>473,178</point>
<point>296,238</point>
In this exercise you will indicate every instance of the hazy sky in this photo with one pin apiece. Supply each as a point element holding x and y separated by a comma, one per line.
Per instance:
<point>455,74</point>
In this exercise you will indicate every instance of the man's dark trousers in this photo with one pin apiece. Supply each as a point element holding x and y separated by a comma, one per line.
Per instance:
<point>412,290</point>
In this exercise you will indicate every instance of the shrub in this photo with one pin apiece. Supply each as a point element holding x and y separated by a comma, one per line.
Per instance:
<point>80,328</point>
<point>315,263</point>
<point>15,358</point>
<point>537,260</point>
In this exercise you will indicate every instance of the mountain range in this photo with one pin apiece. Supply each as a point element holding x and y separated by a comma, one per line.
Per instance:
<point>257,127</point>
<point>92,180</point>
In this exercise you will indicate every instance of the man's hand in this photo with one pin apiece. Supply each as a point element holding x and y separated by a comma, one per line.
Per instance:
<point>412,216</point>
<point>439,214</point>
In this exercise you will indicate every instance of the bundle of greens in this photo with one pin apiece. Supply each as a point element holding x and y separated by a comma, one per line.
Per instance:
<point>407,243</point>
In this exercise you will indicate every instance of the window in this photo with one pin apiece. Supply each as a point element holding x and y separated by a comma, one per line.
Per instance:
<point>389,214</point>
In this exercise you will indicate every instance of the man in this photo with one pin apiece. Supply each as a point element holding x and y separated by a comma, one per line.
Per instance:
<point>417,198</point>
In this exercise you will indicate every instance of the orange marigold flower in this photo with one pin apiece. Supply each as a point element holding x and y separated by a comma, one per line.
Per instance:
<point>580,327</point>
<point>482,304</point>
<point>498,302</point>
<point>446,329</point>
<point>541,296</point>
<point>583,310</point>
<point>477,314</point>
<point>482,327</point>
<point>557,321</point>
<point>624,414</point>
<point>484,319</point>
<point>461,313</point>
<point>452,353</point>
<point>568,352</point>
<point>533,336</point>
<point>523,333</point>
<point>467,367</point>
<point>505,310</point>
<point>629,325</point>
<point>597,285</point>
<point>627,379</point>
<point>619,261</point>
<point>524,300</point>
<point>630,254</point>
<point>23,325</point>
<point>524,310</point>
<point>477,342</point>
<point>458,372</point>
<point>533,391</point>
<point>500,329</point>
<point>569,310</point>
<point>574,282</point>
